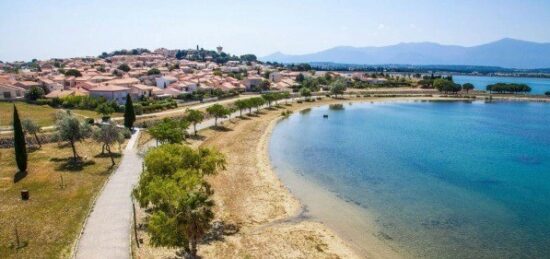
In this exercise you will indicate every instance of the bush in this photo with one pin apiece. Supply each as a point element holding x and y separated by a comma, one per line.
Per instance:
<point>44,102</point>
<point>127,133</point>
<point>90,121</point>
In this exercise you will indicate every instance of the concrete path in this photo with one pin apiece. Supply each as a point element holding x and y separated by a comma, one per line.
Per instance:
<point>107,231</point>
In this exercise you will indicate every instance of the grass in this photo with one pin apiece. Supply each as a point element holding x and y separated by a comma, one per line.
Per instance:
<point>44,115</point>
<point>50,221</point>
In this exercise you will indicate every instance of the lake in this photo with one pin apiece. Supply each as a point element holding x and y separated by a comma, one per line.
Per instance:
<point>439,179</point>
<point>538,85</point>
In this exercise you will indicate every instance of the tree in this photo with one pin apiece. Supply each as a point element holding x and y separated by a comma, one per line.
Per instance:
<point>445,85</point>
<point>108,134</point>
<point>195,117</point>
<point>153,71</point>
<point>305,92</point>
<point>173,189</point>
<point>241,105</point>
<point>73,72</point>
<point>70,129</point>
<point>124,67</point>
<point>30,127</point>
<point>338,87</point>
<point>34,93</point>
<point>19,142</point>
<point>129,113</point>
<point>257,102</point>
<point>547,93</point>
<point>300,78</point>
<point>269,97</point>
<point>105,110</point>
<point>468,87</point>
<point>169,131</point>
<point>217,111</point>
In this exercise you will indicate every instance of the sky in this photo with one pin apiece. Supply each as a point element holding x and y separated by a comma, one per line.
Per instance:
<point>45,29</point>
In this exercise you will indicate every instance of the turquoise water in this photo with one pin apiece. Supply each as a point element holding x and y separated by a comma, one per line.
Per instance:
<point>443,179</point>
<point>538,85</point>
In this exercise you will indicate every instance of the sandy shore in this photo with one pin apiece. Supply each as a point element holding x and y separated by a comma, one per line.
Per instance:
<point>271,222</point>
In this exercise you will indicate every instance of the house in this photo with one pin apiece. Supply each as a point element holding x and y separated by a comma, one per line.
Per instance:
<point>275,77</point>
<point>252,82</point>
<point>64,93</point>
<point>164,81</point>
<point>111,92</point>
<point>27,84</point>
<point>139,90</point>
<point>11,92</point>
<point>124,82</point>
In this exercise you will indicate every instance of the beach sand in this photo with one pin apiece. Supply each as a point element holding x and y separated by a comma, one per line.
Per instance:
<point>271,222</point>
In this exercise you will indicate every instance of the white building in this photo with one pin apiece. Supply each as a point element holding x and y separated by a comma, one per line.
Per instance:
<point>164,81</point>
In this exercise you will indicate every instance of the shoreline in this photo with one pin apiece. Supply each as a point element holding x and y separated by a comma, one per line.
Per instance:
<point>331,203</point>
<point>271,221</point>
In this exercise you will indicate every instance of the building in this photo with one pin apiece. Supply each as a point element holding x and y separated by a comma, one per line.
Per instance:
<point>252,82</point>
<point>111,92</point>
<point>164,81</point>
<point>10,92</point>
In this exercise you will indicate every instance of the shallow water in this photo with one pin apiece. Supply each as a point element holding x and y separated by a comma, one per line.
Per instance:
<point>538,85</point>
<point>442,179</point>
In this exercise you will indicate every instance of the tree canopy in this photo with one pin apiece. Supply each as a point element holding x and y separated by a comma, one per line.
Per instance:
<point>73,72</point>
<point>173,188</point>
<point>195,117</point>
<point>338,87</point>
<point>169,131</point>
<point>508,88</point>
<point>124,67</point>
<point>217,111</point>
<point>70,129</point>
<point>445,85</point>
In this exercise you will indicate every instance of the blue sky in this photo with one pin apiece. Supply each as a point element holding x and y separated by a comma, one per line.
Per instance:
<point>48,28</point>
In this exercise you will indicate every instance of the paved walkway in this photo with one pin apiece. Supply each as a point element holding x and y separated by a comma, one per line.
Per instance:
<point>107,232</point>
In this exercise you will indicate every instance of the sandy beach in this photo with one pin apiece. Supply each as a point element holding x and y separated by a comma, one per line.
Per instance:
<point>271,222</point>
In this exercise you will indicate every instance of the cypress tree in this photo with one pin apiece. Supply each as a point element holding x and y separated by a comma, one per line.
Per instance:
<point>19,142</point>
<point>129,114</point>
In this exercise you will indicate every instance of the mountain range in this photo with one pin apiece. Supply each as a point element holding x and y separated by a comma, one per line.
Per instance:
<point>508,53</point>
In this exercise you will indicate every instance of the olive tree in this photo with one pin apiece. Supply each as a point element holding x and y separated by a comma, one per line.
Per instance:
<point>70,129</point>
<point>30,127</point>
<point>108,134</point>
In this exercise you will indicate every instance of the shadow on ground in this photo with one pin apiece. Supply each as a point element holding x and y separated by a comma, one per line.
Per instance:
<point>71,164</point>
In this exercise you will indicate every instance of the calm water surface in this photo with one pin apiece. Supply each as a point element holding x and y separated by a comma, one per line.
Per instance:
<point>443,179</point>
<point>538,85</point>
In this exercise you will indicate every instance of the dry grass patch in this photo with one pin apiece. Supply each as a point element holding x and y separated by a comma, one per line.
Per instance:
<point>50,221</point>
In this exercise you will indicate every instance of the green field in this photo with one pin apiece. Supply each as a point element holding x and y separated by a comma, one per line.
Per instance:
<point>44,115</point>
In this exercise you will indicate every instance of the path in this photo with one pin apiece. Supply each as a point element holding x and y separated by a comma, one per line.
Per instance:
<point>107,230</point>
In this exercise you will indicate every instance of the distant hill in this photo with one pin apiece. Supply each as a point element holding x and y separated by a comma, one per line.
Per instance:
<point>509,53</point>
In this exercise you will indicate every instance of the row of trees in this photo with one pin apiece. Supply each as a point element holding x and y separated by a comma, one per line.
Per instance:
<point>255,102</point>
<point>447,85</point>
<point>508,88</point>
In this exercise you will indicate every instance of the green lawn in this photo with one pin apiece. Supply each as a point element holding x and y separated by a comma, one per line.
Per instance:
<point>44,115</point>
<point>50,221</point>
